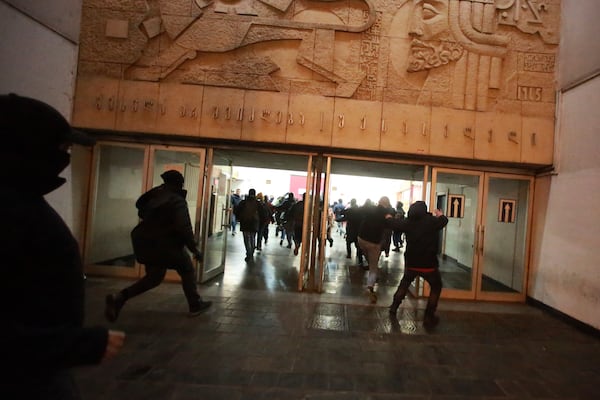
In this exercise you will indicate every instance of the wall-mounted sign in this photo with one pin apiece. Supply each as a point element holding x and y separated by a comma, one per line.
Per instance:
<point>456,206</point>
<point>507,211</point>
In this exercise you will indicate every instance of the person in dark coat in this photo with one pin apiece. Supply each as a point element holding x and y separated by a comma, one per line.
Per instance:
<point>248,213</point>
<point>420,258</point>
<point>296,217</point>
<point>353,218</point>
<point>370,237</point>
<point>42,292</point>
<point>159,242</point>
<point>397,236</point>
<point>234,202</point>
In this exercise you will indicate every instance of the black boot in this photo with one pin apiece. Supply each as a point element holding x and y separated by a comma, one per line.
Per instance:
<point>113,305</point>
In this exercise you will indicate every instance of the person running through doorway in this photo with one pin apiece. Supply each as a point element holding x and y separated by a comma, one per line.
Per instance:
<point>370,236</point>
<point>397,236</point>
<point>421,256</point>
<point>234,201</point>
<point>159,242</point>
<point>248,213</point>
<point>353,218</point>
<point>296,217</point>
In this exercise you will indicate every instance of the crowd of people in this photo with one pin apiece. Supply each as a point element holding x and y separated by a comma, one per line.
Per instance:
<point>372,228</point>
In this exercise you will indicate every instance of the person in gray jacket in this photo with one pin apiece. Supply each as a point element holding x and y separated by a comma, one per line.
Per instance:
<point>420,258</point>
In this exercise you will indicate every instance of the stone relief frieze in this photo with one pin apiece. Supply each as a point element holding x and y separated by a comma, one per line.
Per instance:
<point>482,55</point>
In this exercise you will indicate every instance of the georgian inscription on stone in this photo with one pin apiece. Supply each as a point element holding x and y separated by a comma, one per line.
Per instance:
<point>539,63</point>
<point>369,57</point>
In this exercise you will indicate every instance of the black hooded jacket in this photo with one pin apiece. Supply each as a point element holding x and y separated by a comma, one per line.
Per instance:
<point>165,228</point>
<point>421,229</point>
<point>42,289</point>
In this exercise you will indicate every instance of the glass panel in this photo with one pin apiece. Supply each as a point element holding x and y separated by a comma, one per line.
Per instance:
<point>119,183</point>
<point>185,162</point>
<point>505,235</point>
<point>218,220</point>
<point>457,196</point>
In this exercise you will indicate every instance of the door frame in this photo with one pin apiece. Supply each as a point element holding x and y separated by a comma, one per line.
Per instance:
<point>203,224</point>
<point>147,177</point>
<point>476,292</point>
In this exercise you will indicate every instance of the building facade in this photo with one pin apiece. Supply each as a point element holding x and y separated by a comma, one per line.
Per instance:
<point>476,94</point>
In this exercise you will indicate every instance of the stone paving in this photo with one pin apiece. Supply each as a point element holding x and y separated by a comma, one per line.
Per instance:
<point>260,344</point>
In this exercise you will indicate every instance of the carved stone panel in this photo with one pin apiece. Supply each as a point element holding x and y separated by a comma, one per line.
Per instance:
<point>405,128</point>
<point>265,116</point>
<point>498,136</point>
<point>137,106</point>
<point>95,103</point>
<point>538,140</point>
<point>452,133</point>
<point>179,109</point>
<point>356,124</point>
<point>311,120</point>
<point>479,56</point>
<point>222,113</point>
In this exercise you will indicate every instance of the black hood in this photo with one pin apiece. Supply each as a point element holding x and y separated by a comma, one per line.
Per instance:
<point>417,210</point>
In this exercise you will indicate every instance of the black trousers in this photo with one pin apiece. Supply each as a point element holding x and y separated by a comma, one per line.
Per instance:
<point>434,279</point>
<point>156,274</point>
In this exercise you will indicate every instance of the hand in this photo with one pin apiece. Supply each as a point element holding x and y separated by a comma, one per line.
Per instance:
<point>198,256</point>
<point>116,339</point>
<point>437,212</point>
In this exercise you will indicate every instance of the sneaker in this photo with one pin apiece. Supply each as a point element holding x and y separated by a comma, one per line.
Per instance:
<point>112,307</point>
<point>281,242</point>
<point>348,256</point>
<point>330,242</point>
<point>199,309</point>
<point>295,251</point>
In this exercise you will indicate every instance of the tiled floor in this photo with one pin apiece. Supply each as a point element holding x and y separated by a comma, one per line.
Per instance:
<point>262,340</point>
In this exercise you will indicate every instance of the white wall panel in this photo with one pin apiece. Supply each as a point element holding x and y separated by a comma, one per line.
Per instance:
<point>62,16</point>
<point>579,52</point>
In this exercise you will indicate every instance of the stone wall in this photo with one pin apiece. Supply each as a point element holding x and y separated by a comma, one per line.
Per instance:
<point>469,79</point>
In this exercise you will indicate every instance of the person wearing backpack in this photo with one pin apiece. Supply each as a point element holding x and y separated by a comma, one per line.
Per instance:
<point>247,212</point>
<point>159,242</point>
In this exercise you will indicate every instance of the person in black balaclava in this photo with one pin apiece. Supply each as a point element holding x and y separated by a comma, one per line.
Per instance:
<point>420,259</point>
<point>159,242</point>
<point>42,290</point>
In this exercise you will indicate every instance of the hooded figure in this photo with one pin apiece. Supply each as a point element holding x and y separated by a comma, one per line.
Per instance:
<point>420,259</point>
<point>159,242</point>
<point>42,294</point>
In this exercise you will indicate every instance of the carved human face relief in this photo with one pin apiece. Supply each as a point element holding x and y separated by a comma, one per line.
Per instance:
<point>429,28</point>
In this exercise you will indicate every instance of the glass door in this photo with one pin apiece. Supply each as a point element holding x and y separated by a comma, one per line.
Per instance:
<point>120,174</point>
<point>118,178</point>
<point>483,249</point>
<point>218,211</point>
<point>458,195</point>
<point>504,239</point>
